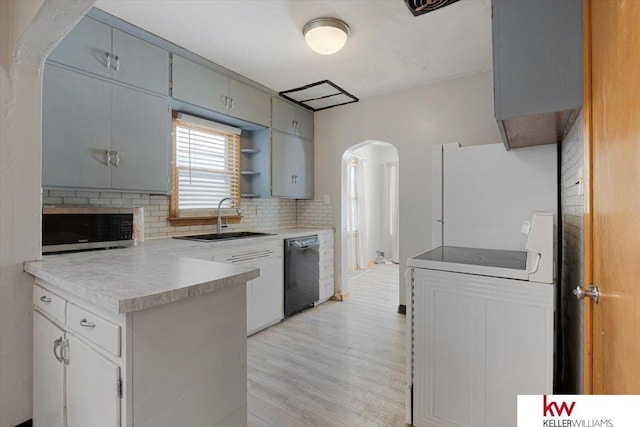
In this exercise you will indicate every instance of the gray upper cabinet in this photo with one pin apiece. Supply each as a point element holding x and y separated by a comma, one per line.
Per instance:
<point>100,135</point>
<point>289,118</point>
<point>96,48</point>
<point>249,103</point>
<point>140,141</point>
<point>537,69</point>
<point>202,87</point>
<point>76,130</point>
<point>87,47</point>
<point>291,166</point>
<point>139,63</point>
<point>199,85</point>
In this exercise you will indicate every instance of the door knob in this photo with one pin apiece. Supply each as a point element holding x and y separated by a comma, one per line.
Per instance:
<point>592,292</point>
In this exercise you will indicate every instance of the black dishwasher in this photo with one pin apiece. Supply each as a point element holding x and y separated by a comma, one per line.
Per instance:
<point>301,274</point>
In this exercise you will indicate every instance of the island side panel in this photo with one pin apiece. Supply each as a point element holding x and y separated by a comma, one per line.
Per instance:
<point>190,361</point>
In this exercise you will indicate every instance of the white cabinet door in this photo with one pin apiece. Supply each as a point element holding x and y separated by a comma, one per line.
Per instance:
<point>48,374</point>
<point>93,397</point>
<point>265,296</point>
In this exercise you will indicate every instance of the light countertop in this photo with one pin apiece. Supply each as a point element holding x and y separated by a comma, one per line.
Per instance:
<point>150,274</point>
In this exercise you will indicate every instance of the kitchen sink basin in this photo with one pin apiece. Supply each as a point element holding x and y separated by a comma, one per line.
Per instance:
<point>214,237</point>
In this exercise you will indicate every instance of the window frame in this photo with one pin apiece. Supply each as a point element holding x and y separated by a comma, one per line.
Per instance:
<point>186,220</point>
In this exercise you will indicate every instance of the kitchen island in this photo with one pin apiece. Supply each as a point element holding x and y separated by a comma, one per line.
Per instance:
<point>140,337</point>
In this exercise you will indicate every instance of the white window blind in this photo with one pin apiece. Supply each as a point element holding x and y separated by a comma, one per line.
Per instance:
<point>207,166</point>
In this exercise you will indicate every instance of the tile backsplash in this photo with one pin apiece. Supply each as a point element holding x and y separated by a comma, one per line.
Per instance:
<point>256,213</point>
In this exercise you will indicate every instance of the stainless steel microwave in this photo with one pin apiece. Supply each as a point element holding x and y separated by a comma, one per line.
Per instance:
<point>71,229</point>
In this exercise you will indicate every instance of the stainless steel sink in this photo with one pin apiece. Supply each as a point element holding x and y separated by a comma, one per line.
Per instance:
<point>214,237</point>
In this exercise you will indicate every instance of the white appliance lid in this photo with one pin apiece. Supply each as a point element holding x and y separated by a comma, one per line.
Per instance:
<point>485,262</point>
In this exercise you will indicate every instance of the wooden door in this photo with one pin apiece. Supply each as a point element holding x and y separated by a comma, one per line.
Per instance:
<point>76,130</point>
<point>48,374</point>
<point>612,221</point>
<point>92,387</point>
<point>141,125</point>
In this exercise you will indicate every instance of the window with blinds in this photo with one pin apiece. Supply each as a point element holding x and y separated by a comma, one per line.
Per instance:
<point>206,166</point>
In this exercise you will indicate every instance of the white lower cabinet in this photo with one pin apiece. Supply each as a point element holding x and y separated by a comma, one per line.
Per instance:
<point>159,367</point>
<point>92,389</point>
<point>48,373</point>
<point>478,342</point>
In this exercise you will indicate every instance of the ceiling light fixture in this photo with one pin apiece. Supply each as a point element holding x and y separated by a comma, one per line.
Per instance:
<point>326,35</point>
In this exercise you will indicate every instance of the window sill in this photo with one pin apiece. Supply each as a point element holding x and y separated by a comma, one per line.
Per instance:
<point>203,220</point>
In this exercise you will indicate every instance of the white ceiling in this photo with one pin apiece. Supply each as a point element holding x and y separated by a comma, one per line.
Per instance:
<point>389,49</point>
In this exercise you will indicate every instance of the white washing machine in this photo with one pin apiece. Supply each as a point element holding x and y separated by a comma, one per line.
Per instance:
<point>480,327</point>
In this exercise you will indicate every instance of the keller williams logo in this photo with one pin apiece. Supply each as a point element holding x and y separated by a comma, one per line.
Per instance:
<point>548,408</point>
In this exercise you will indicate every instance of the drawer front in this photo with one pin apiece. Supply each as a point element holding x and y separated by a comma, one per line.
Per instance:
<point>326,268</point>
<point>326,252</point>
<point>326,287</point>
<point>326,239</point>
<point>94,328</point>
<point>49,303</point>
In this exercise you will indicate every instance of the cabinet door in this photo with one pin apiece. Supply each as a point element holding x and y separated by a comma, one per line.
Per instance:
<point>266,303</point>
<point>249,103</point>
<point>199,85</point>
<point>140,63</point>
<point>283,162</point>
<point>283,115</point>
<point>92,388</point>
<point>304,120</point>
<point>76,130</point>
<point>141,140</point>
<point>304,171</point>
<point>86,47</point>
<point>48,374</point>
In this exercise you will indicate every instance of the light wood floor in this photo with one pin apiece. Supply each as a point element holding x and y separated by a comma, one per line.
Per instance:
<point>338,364</point>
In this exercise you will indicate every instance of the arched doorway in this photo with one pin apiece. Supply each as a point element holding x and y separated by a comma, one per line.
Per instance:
<point>369,208</point>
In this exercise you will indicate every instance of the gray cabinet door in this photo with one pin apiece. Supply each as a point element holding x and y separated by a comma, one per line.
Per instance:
<point>141,140</point>
<point>140,63</point>
<point>305,175</point>
<point>76,130</point>
<point>291,166</point>
<point>304,120</point>
<point>249,103</point>
<point>86,47</point>
<point>199,85</point>
<point>283,115</point>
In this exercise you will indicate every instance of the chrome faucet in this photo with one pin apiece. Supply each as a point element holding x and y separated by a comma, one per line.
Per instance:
<point>238,210</point>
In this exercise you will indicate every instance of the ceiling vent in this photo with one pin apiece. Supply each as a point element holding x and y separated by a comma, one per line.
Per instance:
<point>319,96</point>
<point>419,7</point>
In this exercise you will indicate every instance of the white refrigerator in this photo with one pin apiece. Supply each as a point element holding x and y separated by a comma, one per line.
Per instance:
<point>482,194</point>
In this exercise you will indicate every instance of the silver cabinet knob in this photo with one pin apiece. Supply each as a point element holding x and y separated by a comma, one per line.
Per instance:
<point>116,154</point>
<point>592,292</point>
<point>45,299</point>
<point>108,62</point>
<point>107,154</point>
<point>87,324</point>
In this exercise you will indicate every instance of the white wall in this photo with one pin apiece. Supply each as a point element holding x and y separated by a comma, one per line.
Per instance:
<point>459,110</point>
<point>376,154</point>
<point>28,31</point>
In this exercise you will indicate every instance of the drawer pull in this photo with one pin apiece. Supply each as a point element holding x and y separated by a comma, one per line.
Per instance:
<point>57,343</point>
<point>45,299</point>
<point>87,324</point>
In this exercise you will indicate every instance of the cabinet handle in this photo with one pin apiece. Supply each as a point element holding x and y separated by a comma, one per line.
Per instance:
<point>57,343</point>
<point>87,324</point>
<point>117,63</point>
<point>45,299</point>
<point>63,351</point>
<point>231,103</point>
<point>107,154</point>
<point>108,63</point>
<point>117,162</point>
<point>292,179</point>
<point>225,101</point>
<point>295,179</point>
